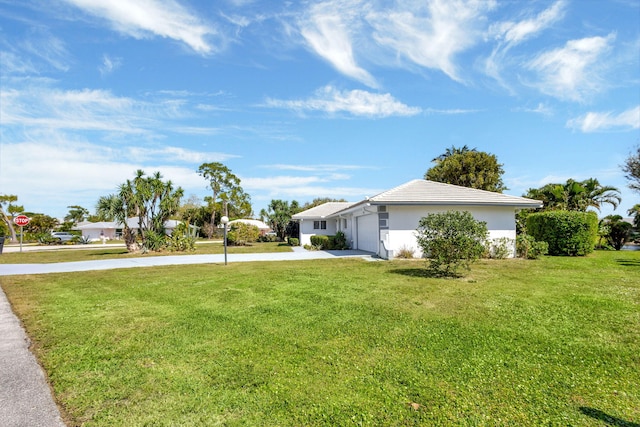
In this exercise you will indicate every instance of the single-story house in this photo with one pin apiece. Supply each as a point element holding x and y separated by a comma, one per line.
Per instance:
<point>386,223</point>
<point>95,231</point>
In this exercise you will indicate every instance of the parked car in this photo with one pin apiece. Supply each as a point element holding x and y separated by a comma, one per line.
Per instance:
<point>63,236</point>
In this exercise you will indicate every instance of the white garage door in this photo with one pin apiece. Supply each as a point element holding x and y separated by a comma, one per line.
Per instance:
<point>368,233</point>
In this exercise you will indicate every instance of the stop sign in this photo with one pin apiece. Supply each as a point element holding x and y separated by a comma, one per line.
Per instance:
<point>21,220</point>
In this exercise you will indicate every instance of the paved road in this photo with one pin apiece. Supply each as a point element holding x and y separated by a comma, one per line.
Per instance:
<point>25,397</point>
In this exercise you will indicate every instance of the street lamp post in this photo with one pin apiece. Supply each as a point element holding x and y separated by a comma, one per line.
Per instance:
<point>225,220</point>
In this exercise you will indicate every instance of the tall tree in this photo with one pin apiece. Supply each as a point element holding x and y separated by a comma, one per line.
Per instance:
<point>576,195</point>
<point>468,168</point>
<point>8,200</point>
<point>226,188</point>
<point>278,215</point>
<point>631,168</point>
<point>150,200</point>
<point>76,214</point>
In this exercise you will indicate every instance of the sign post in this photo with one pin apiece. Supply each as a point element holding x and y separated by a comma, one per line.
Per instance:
<point>21,221</point>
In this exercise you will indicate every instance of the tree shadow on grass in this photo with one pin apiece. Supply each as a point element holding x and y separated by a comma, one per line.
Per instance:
<point>629,262</point>
<point>427,273</point>
<point>609,419</point>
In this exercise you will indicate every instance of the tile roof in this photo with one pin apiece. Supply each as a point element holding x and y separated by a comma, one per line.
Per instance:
<point>323,211</point>
<point>421,191</point>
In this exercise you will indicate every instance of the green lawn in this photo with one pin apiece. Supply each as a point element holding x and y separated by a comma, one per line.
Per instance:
<point>98,252</point>
<point>552,342</point>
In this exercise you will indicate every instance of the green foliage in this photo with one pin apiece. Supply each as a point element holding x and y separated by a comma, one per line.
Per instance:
<point>567,232</point>
<point>227,194</point>
<point>451,240</point>
<point>242,234</point>
<point>320,241</point>
<point>76,214</point>
<point>293,241</point>
<point>328,243</point>
<point>182,239</point>
<point>631,168</point>
<point>4,229</point>
<point>148,199</point>
<point>527,247</point>
<point>40,223</point>
<point>576,195</point>
<point>615,231</point>
<point>278,216</point>
<point>468,168</point>
<point>339,241</point>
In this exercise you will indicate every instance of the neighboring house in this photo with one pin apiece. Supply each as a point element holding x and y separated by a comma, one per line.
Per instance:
<point>264,228</point>
<point>94,231</point>
<point>387,222</point>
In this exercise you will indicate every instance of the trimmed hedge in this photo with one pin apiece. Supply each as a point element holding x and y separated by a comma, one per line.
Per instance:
<point>320,241</point>
<point>567,232</point>
<point>337,242</point>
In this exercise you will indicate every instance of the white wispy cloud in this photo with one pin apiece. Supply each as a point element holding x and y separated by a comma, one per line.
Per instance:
<point>356,102</point>
<point>327,30</point>
<point>47,48</point>
<point>513,33</point>
<point>573,72</point>
<point>541,108</point>
<point>433,33</point>
<point>146,18</point>
<point>109,64</point>
<point>509,34</point>
<point>594,122</point>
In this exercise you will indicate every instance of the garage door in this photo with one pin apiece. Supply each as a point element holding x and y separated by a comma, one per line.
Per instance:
<point>368,233</point>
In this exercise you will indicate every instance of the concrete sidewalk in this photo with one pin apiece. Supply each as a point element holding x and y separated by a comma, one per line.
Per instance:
<point>299,254</point>
<point>25,397</point>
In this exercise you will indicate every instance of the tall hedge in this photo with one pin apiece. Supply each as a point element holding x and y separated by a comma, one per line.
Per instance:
<point>567,232</point>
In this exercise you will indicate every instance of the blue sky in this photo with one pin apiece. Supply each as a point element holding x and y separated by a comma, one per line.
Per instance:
<point>339,98</point>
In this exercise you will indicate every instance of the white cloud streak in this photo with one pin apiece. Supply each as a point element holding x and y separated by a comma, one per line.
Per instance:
<point>432,35</point>
<point>145,18</point>
<point>356,102</point>
<point>327,30</point>
<point>594,122</point>
<point>572,72</point>
<point>511,33</point>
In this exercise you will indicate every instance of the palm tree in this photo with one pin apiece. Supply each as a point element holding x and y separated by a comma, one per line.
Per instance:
<point>635,213</point>
<point>147,198</point>
<point>597,194</point>
<point>452,151</point>
<point>576,195</point>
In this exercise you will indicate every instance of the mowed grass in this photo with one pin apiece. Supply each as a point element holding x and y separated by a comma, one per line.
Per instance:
<point>97,252</point>
<point>342,342</point>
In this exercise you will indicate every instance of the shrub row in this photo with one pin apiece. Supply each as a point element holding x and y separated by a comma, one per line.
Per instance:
<point>335,242</point>
<point>566,232</point>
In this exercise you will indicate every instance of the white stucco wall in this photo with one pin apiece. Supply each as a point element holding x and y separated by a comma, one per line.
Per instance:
<point>307,230</point>
<point>403,221</point>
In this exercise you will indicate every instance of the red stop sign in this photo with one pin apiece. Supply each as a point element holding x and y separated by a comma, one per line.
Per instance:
<point>21,220</point>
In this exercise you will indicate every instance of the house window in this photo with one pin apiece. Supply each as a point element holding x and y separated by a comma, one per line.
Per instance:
<point>344,223</point>
<point>319,225</point>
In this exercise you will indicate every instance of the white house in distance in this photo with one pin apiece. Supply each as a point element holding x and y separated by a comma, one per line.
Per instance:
<point>385,223</point>
<point>95,231</point>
